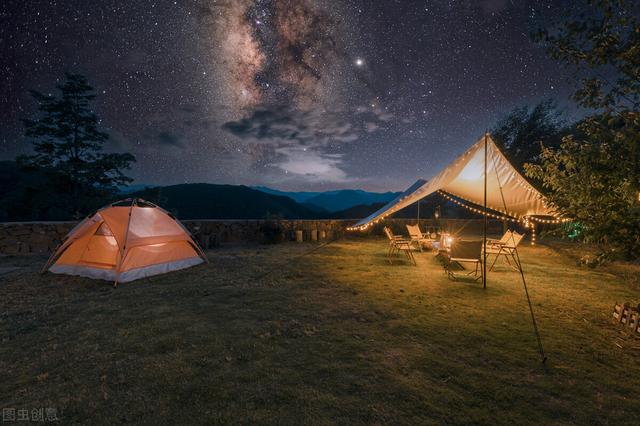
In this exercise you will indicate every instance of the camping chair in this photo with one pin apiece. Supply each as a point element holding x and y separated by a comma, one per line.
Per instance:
<point>464,252</point>
<point>418,237</point>
<point>398,243</point>
<point>506,249</point>
<point>504,240</point>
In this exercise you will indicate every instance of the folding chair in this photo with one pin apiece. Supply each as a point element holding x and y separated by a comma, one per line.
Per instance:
<point>418,237</point>
<point>506,249</point>
<point>464,252</point>
<point>398,243</point>
<point>504,240</point>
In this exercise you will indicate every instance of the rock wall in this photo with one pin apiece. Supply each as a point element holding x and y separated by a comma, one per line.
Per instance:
<point>32,237</point>
<point>44,237</point>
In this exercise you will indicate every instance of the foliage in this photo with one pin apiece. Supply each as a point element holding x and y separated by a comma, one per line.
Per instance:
<point>596,181</point>
<point>520,134</point>
<point>594,176</point>
<point>602,44</point>
<point>68,148</point>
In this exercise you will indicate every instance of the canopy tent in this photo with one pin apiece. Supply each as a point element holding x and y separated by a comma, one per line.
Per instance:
<point>482,176</point>
<point>125,241</point>
<point>506,190</point>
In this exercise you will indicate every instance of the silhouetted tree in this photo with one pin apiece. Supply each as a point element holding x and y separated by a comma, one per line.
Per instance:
<point>522,132</point>
<point>602,45</point>
<point>594,176</point>
<point>68,148</point>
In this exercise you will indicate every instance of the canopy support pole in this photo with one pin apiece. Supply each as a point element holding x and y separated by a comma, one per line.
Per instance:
<point>484,223</point>
<point>543,357</point>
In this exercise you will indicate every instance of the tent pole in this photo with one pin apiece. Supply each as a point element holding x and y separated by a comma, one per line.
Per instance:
<point>418,223</point>
<point>484,223</point>
<point>124,245</point>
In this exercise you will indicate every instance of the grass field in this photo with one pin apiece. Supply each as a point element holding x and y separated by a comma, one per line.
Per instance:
<point>336,336</point>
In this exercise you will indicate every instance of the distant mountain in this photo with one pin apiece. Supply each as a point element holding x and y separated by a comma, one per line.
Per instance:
<point>334,201</point>
<point>208,201</point>
<point>129,189</point>
<point>428,207</point>
<point>357,212</point>
<point>300,197</point>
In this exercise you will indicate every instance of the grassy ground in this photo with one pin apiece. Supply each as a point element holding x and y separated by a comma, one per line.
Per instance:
<point>337,336</point>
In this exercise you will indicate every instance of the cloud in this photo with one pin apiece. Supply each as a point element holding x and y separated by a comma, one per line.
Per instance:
<point>311,164</point>
<point>302,142</point>
<point>289,126</point>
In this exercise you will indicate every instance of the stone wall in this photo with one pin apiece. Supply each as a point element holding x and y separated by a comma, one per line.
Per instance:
<point>43,237</point>
<point>210,233</point>
<point>32,237</point>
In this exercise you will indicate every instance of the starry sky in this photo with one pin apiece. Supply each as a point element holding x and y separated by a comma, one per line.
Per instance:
<point>292,94</point>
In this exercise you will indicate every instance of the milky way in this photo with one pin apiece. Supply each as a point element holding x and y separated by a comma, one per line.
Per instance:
<point>277,52</point>
<point>296,94</point>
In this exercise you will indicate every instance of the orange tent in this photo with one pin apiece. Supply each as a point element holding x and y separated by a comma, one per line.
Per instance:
<point>125,241</point>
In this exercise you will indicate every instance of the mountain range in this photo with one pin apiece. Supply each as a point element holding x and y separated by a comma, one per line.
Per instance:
<point>334,201</point>
<point>207,201</point>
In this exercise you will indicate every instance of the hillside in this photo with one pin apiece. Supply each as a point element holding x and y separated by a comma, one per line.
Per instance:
<point>428,207</point>
<point>357,212</point>
<point>298,196</point>
<point>335,201</point>
<point>208,201</point>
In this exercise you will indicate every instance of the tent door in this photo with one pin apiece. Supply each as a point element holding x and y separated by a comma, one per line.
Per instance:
<point>101,250</point>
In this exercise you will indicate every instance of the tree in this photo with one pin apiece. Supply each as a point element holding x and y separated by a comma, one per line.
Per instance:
<point>521,133</point>
<point>68,149</point>
<point>593,181</point>
<point>602,45</point>
<point>594,176</point>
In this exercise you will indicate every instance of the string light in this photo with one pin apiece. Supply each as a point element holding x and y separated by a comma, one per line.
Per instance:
<point>533,234</point>
<point>527,221</point>
<point>476,210</point>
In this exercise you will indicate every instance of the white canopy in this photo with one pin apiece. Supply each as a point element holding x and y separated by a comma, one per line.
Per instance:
<point>464,178</point>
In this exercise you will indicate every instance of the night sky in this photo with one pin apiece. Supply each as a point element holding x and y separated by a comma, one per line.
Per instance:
<point>293,94</point>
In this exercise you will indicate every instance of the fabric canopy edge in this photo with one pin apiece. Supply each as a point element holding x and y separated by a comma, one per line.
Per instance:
<point>422,188</point>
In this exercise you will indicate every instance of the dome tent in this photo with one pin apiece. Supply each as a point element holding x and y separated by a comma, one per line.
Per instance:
<point>125,241</point>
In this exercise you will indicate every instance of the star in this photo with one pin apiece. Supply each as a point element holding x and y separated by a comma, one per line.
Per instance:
<point>341,89</point>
